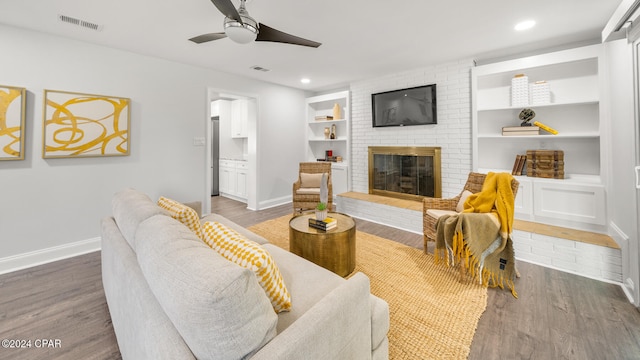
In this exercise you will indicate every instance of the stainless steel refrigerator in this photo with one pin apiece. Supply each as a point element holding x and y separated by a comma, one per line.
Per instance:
<point>215,155</point>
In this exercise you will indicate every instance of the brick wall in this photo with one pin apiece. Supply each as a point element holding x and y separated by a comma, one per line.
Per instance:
<point>593,261</point>
<point>452,133</point>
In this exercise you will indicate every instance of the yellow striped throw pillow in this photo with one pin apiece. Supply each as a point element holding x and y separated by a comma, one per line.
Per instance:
<point>182,213</point>
<point>249,254</point>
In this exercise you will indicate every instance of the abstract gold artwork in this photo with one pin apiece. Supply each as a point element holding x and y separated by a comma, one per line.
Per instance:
<point>84,125</point>
<point>12,115</point>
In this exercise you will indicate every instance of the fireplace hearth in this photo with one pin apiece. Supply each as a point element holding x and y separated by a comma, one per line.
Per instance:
<point>405,172</point>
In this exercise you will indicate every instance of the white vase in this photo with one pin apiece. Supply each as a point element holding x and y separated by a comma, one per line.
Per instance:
<point>321,214</point>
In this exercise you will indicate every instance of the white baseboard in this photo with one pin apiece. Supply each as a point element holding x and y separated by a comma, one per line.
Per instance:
<point>387,223</point>
<point>274,202</point>
<point>43,256</point>
<point>598,278</point>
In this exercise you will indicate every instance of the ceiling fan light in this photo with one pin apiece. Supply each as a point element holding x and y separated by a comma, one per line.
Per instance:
<point>241,33</point>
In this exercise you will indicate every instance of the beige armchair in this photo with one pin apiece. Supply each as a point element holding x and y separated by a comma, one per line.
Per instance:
<point>306,190</point>
<point>433,208</point>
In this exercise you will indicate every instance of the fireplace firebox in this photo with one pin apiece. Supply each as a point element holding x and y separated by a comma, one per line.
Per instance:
<point>405,172</point>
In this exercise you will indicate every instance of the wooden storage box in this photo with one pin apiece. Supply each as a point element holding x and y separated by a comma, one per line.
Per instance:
<point>545,164</point>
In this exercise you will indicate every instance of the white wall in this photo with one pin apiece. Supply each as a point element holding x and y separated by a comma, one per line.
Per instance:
<point>230,148</point>
<point>452,133</point>
<point>286,144</point>
<point>56,202</point>
<point>623,132</point>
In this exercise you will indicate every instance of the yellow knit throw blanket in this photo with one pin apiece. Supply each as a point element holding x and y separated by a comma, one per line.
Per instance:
<point>496,197</point>
<point>479,237</point>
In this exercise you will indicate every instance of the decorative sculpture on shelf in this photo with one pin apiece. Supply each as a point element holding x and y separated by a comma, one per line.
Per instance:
<point>526,115</point>
<point>336,112</point>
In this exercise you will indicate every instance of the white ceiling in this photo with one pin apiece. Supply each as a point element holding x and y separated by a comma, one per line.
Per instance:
<point>360,39</point>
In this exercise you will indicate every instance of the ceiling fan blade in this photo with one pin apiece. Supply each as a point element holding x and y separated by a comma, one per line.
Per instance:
<point>227,9</point>
<point>267,33</point>
<point>208,37</point>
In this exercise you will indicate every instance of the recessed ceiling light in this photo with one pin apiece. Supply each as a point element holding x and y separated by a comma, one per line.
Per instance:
<point>525,25</point>
<point>305,80</point>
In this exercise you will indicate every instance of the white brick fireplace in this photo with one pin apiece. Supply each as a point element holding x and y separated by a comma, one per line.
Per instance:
<point>452,133</point>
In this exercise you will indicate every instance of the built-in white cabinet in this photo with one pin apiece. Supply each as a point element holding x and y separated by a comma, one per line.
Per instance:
<point>318,134</point>
<point>574,78</point>
<point>233,179</point>
<point>240,118</point>
<point>242,168</point>
<point>339,178</point>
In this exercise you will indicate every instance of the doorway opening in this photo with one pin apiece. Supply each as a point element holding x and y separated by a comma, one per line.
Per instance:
<point>231,143</point>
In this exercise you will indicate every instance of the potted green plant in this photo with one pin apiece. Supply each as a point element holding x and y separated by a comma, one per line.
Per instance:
<point>321,208</point>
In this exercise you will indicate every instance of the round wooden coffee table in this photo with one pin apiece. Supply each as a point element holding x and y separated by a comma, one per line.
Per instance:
<point>334,249</point>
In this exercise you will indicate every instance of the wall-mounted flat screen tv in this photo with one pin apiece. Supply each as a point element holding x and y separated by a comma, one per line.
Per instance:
<point>405,107</point>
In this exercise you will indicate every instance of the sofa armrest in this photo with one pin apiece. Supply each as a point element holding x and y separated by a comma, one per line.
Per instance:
<point>336,327</point>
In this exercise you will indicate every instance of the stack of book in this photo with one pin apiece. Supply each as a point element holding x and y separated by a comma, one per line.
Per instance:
<point>520,130</point>
<point>519,166</point>
<point>324,117</point>
<point>326,224</point>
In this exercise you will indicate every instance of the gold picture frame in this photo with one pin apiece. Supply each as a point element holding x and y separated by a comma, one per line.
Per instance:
<point>13,102</point>
<point>85,125</point>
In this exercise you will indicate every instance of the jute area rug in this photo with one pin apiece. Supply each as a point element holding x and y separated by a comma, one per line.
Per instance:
<point>432,314</point>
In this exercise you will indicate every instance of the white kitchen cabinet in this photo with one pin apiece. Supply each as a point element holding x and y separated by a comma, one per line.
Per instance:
<point>227,177</point>
<point>233,179</point>
<point>242,169</point>
<point>240,118</point>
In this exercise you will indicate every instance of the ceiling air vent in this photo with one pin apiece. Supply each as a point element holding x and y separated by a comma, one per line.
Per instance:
<point>79,22</point>
<point>259,68</point>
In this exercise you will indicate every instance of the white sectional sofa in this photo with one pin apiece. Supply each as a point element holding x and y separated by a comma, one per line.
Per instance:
<point>172,297</point>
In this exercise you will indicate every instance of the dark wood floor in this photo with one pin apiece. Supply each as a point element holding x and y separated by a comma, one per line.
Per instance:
<point>557,315</point>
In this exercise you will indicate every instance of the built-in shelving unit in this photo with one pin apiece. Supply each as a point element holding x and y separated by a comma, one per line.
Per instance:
<point>318,144</point>
<point>574,78</point>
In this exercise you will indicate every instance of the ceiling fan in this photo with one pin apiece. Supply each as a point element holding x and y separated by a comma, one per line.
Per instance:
<point>242,28</point>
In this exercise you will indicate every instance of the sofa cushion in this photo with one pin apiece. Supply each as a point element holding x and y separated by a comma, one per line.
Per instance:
<point>437,213</point>
<point>131,207</point>
<point>246,253</point>
<point>182,213</point>
<point>308,191</point>
<point>143,330</point>
<point>218,307</point>
<point>307,283</point>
